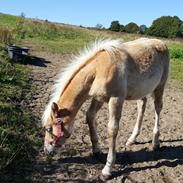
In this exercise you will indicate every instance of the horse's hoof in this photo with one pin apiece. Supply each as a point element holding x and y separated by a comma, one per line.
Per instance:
<point>130,143</point>
<point>155,147</point>
<point>104,177</point>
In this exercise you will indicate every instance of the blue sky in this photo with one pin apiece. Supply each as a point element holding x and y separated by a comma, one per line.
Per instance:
<point>90,13</point>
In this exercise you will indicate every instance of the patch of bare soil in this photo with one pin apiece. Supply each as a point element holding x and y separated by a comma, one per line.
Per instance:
<point>137,163</point>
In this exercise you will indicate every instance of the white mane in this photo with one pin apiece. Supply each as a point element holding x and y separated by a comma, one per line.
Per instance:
<point>75,63</point>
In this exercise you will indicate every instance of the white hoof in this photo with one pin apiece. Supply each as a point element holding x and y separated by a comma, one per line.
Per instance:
<point>155,146</point>
<point>106,172</point>
<point>130,142</point>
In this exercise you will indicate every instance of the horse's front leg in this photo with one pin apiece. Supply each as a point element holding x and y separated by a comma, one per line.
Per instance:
<point>90,119</point>
<point>115,107</point>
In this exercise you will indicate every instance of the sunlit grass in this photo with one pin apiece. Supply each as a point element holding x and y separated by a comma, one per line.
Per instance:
<point>176,69</point>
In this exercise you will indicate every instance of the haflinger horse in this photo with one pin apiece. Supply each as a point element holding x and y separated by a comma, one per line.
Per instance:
<point>107,71</point>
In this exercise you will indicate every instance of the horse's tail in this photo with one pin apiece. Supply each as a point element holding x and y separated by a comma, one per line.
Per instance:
<point>166,62</point>
<point>162,49</point>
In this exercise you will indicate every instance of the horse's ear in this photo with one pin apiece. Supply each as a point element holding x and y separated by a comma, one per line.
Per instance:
<point>64,112</point>
<point>54,107</point>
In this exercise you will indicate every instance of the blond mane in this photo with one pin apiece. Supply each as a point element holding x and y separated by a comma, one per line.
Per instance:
<point>76,62</point>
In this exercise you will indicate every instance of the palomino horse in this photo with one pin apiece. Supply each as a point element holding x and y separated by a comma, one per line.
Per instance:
<point>109,71</point>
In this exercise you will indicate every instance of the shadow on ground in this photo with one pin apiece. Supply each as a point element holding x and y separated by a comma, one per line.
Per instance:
<point>169,156</point>
<point>33,60</point>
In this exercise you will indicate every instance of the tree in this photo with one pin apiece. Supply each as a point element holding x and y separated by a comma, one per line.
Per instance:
<point>99,26</point>
<point>166,26</point>
<point>132,27</point>
<point>143,29</point>
<point>115,26</point>
<point>122,28</point>
<point>22,15</point>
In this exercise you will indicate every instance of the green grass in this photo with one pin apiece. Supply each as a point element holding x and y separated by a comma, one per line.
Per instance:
<point>8,21</point>
<point>176,63</point>
<point>176,69</point>
<point>18,141</point>
<point>63,43</point>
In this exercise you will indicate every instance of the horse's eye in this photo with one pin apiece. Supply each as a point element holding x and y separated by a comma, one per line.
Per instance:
<point>49,129</point>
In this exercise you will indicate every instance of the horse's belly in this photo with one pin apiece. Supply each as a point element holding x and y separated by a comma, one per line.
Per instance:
<point>140,87</point>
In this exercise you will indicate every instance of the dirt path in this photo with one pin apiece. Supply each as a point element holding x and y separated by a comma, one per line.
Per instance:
<point>134,164</point>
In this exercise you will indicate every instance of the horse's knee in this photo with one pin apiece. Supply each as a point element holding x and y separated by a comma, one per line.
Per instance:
<point>113,130</point>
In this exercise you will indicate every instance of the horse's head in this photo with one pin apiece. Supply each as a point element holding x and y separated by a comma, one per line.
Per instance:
<point>57,129</point>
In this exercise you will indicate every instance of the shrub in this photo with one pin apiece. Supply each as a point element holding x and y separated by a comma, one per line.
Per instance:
<point>166,26</point>
<point>132,28</point>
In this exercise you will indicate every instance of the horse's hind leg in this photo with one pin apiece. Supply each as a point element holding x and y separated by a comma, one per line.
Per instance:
<point>141,105</point>
<point>158,103</point>
<point>90,119</point>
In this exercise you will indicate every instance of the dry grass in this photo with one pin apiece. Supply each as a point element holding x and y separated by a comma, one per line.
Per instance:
<point>6,36</point>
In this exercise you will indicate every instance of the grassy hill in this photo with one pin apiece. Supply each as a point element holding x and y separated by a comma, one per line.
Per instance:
<point>18,140</point>
<point>60,38</point>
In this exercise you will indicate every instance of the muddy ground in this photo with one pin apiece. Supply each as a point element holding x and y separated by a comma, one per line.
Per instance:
<point>137,163</point>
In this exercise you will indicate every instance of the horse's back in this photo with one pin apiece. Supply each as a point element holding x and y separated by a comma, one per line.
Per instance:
<point>143,49</point>
<point>134,70</point>
<point>147,66</point>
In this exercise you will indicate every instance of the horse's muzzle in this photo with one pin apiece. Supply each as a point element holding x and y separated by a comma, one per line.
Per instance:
<point>48,149</point>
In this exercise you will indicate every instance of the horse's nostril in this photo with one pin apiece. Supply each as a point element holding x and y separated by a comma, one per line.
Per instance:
<point>51,153</point>
<point>46,151</point>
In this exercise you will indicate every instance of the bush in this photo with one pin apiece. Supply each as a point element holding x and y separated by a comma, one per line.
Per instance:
<point>176,53</point>
<point>132,28</point>
<point>166,26</point>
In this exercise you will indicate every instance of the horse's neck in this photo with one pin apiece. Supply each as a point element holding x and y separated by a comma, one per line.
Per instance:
<point>77,90</point>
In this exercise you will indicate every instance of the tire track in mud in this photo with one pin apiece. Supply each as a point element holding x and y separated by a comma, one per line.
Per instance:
<point>134,164</point>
